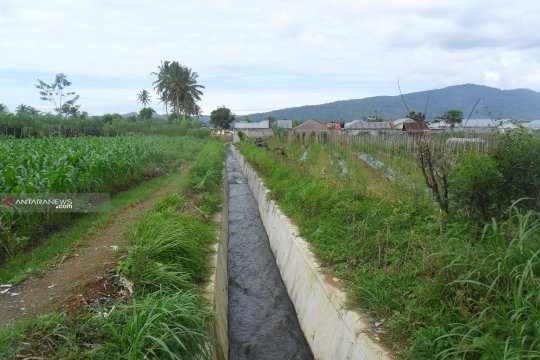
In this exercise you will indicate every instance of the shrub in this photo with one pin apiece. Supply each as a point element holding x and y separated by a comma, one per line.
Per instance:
<point>518,158</point>
<point>476,187</point>
<point>242,136</point>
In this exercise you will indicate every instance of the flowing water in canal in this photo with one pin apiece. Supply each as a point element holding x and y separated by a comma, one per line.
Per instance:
<point>262,321</point>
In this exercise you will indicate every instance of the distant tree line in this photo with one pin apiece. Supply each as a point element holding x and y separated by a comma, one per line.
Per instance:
<point>177,88</point>
<point>28,124</point>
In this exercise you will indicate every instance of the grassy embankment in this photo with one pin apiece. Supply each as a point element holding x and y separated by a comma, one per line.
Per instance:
<point>437,291</point>
<point>167,261</point>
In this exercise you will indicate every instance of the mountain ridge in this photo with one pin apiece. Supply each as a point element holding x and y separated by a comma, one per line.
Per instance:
<point>515,103</point>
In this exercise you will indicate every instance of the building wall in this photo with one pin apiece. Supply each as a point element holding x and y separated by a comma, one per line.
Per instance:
<point>253,133</point>
<point>265,124</point>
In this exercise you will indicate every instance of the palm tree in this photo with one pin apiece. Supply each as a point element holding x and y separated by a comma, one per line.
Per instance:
<point>26,109</point>
<point>143,98</point>
<point>161,84</point>
<point>3,109</point>
<point>177,85</point>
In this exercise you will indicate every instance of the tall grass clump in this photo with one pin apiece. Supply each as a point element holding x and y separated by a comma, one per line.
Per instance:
<point>498,280</point>
<point>161,325</point>
<point>170,250</point>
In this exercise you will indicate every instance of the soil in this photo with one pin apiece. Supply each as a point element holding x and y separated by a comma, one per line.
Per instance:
<point>82,277</point>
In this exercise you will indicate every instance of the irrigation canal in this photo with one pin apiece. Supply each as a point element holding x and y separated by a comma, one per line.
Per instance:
<point>262,320</point>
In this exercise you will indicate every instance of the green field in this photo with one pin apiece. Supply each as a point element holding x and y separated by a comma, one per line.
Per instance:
<point>75,165</point>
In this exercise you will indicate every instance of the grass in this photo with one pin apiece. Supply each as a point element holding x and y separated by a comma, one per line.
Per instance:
<point>161,325</point>
<point>440,292</point>
<point>169,249</point>
<point>167,262</point>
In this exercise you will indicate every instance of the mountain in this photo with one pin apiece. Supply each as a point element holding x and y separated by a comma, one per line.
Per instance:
<point>515,104</point>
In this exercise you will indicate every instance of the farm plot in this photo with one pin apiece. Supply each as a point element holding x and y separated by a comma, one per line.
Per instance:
<point>73,165</point>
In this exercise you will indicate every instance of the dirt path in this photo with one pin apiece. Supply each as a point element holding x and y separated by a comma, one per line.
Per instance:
<point>84,267</point>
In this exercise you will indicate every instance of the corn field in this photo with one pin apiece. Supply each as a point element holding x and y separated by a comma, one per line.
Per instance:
<point>70,165</point>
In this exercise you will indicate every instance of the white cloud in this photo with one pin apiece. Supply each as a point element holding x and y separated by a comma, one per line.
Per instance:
<point>265,55</point>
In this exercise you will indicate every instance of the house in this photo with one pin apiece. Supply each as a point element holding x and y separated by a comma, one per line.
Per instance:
<point>335,125</point>
<point>367,125</point>
<point>311,125</point>
<point>415,127</point>
<point>480,123</point>
<point>398,124</point>
<point>285,124</point>
<point>477,125</point>
<point>533,125</point>
<point>440,125</point>
<point>265,124</point>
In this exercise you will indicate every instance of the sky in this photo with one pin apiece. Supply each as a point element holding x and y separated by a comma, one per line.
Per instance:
<point>254,56</point>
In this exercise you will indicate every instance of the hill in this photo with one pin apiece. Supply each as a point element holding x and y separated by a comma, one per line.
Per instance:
<point>516,104</point>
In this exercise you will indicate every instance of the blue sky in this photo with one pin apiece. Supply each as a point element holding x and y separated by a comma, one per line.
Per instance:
<point>261,55</point>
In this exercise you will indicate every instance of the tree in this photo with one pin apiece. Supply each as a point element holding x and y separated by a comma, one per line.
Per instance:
<point>143,98</point>
<point>373,117</point>
<point>146,113</point>
<point>64,101</point>
<point>4,109</point>
<point>177,86</point>
<point>222,117</point>
<point>416,116</point>
<point>435,162</point>
<point>453,117</point>
<point>26,109</point>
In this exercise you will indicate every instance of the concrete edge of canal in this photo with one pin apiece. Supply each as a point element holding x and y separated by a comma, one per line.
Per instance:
<point>217,289</point>
<point>332,330</point>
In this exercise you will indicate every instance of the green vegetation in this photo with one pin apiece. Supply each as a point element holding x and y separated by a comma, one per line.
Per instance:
<point>452,117</point>
<point>64,101</point>
<point>60,165</point>
<point>143,98</point>
<point>26,125</point>
<point>177,87</point>
<point>440,287</point>
<point>222,117</point>
<point>167,261</point>
<point>26,263</point>
<point>485,185</point>
<point>477,187</point>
